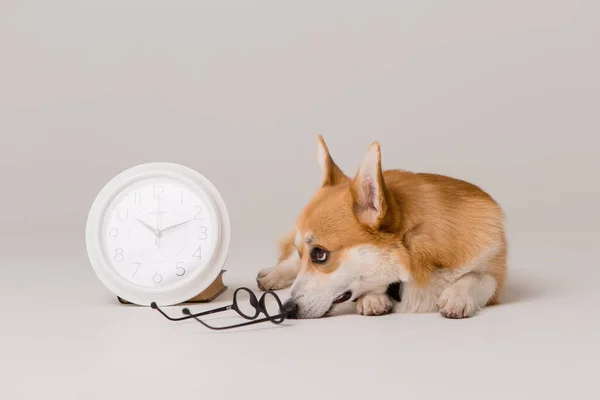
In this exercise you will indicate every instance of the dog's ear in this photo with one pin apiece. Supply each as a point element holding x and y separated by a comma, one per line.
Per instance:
<point>332,174</point>
<point>373,205</point>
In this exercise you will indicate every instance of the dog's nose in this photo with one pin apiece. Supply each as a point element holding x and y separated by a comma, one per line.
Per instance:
<point>291,309</point>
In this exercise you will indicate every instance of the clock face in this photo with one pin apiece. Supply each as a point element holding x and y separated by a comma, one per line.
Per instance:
<point>158,232</point>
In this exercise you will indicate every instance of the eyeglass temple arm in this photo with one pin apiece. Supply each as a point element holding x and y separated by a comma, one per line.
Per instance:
<point>216,310</point>
<point>188,316</point>
<point>186,311</point>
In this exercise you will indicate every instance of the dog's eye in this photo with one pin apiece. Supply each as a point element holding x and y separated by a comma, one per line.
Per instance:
<point>318,255</point>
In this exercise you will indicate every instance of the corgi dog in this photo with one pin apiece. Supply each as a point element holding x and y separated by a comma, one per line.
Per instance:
<point>391,240</point>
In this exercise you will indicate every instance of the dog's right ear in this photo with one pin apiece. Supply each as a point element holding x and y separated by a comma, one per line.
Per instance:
<point>374,207</point>
<point>332,174</point>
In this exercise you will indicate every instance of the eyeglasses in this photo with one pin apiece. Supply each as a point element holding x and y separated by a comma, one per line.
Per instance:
<point>245,304</point>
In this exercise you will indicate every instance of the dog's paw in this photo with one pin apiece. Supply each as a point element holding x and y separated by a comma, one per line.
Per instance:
<point>374,304</point>
<point>274,279</point>
<point>455,304</point>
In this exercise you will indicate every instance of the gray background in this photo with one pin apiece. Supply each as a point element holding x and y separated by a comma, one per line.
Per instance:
<point>503,94</point>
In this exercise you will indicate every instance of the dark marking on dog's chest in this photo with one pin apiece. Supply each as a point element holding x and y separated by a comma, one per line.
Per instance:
<point>394,290</point>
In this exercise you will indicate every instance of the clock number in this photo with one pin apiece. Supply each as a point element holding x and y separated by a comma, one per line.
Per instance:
<point>198,253</point>
<point>181,191</point>
<point>119,255</point>
<point>197,216</point>
<point>122,214</point>
<point>203,232</point>
<point>179,271</point>
<point>113,232</point>
<point>136,269</point>
<point>157,278</point>
<point>158,191</point>
<point>137,198</point>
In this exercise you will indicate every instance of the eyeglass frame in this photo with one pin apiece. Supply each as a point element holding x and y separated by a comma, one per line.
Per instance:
<point>257,304</point>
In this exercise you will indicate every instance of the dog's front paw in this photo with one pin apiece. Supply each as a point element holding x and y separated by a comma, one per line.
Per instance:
<point>455,304</point>
<point>374,304</point>
<point>274,279</point>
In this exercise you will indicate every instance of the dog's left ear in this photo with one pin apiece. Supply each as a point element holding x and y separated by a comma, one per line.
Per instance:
<point>373,205</point>
<point>332,174</point>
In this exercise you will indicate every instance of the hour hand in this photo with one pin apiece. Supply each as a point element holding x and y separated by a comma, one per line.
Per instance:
<point>150,228</point>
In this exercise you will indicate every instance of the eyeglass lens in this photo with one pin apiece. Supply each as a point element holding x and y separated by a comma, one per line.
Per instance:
<point>246,303</point>
<point>271,305</point>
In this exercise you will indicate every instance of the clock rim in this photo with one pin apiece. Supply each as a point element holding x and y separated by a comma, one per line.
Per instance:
<point>168,295</point>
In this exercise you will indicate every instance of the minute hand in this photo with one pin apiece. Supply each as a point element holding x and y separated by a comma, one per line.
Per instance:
<point>170,228</point>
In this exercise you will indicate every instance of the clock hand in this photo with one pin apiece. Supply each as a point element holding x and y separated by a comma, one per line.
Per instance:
<point>151,229</point>
<point>171,227</point>
<point>157,232</point>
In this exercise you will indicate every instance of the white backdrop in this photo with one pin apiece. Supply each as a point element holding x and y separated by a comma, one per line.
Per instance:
<point>502,94</point>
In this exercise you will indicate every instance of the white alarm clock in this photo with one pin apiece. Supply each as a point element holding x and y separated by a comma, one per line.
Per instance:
<point>158,232</point>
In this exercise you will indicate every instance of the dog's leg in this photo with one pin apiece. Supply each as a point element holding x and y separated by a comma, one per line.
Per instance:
<point>280,276</point>
<point>376,302</point>
<point>285,272</point>
<point>467,295</point>
<point>475,289</point>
